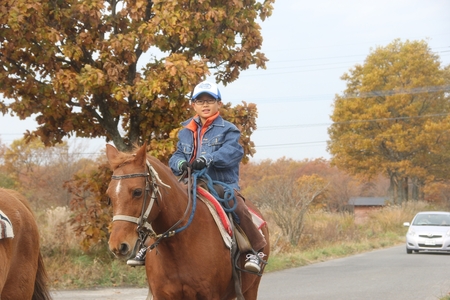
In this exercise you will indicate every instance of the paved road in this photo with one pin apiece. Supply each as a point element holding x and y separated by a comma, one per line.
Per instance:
<point>381,274</point>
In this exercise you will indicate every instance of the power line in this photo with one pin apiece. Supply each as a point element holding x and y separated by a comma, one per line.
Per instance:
<point>363,43</point>
<point>417,90</point>
<point>304,144</point>
<point>351,122</point>
<point>278,127</point>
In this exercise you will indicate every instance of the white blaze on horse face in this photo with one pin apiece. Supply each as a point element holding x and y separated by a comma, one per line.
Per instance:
<point>118,204</point>
<point>118,187</point>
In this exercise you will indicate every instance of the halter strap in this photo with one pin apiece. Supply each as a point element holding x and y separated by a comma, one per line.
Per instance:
<point>145,212</point>
<point>144,228</point>
<point>129,176</point>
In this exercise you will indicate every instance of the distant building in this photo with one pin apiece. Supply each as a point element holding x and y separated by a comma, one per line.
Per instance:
<point>361,206</point>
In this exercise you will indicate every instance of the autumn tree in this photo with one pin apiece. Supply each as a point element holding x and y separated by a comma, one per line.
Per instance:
<point>89,204</point>
<point>123,70</point>
<point>286,190</point>
<point>393,118</point>
<point>40,172</point>
<point>287,200</point>
<point>6,181</point>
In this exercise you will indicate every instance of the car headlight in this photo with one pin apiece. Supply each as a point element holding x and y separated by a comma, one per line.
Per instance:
<point>448,233</point>
<point>413,233</point>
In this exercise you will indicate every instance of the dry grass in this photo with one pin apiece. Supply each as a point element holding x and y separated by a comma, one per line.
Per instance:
<point>328,235</point>
<point>56,232</point>
<point>325,236</point>
<point>69,268</point>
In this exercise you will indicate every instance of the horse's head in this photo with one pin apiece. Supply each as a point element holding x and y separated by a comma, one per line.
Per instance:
<point>132,197</point>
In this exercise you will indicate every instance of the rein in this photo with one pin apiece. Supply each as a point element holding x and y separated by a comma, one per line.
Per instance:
<point>227,197</point>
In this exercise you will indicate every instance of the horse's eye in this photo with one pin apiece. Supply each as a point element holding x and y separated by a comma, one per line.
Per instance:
<point>137,193</point>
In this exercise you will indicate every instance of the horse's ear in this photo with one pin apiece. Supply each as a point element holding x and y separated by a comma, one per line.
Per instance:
<point>141,155</point>
<point>111,152</point>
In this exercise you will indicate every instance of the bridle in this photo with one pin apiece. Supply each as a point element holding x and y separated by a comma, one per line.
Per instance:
<point>144,228</point>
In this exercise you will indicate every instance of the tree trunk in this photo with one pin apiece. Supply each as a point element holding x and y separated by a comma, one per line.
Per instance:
<point>393,187</point>
<point>415,191</point>
<point>405,189</point>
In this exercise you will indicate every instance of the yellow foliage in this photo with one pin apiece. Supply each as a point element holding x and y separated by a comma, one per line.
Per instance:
<point>393,116</point>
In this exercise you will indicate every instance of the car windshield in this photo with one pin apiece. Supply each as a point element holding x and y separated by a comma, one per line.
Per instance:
<point>432,220</point>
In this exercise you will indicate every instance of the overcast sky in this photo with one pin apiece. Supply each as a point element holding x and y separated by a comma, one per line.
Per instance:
<point>310,45</point>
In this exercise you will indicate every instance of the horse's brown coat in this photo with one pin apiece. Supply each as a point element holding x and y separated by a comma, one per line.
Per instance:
<point>22,272</point>
<point>193,264</point>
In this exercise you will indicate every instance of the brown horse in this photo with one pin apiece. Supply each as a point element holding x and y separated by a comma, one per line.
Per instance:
<point>191,264</point>
<point>22,272</point>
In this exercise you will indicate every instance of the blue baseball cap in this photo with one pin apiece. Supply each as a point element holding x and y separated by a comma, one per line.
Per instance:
<point>206,87</point>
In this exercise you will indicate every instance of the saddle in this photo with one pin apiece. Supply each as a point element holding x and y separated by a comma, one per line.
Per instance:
<point>242,240</point>
<point>6,229</point>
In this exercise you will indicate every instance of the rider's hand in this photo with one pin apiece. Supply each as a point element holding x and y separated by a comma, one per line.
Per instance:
<point>184,166</point>
<point>199,163</point>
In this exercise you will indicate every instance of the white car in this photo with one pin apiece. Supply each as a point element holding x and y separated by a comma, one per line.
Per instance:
<point>428,231</point>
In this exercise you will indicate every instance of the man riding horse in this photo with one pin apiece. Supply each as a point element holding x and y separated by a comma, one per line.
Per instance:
<point>209,142</point>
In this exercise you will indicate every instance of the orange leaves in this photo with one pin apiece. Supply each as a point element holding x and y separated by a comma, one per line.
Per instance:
<point>92,77</point>
<point>177,64</point>
<point>136,62</point>
<point>73,52</point>
<point>91,214</point>
<point>116,72</point>
<point>65,80</point>
<point>265,9</point>
<point>123,44</point>
<point>136,9</point>
<point>244,117</point>
<point>123,72</point>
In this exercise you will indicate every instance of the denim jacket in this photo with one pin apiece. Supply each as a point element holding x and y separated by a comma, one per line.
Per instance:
<point>220,147</point>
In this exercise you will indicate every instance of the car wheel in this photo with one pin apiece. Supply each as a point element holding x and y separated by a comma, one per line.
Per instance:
<point>409,251</point>
<point>416,251</point>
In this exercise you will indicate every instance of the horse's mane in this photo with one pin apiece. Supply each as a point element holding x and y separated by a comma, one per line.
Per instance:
<point>124,158</point>
<point>120,159</point>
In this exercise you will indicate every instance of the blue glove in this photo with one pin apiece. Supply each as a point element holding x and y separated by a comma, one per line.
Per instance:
<point>199,163</point>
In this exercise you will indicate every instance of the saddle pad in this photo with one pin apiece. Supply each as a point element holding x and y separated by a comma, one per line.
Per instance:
<point>257,219</point>
<point>221,218</point>
<point>6,230</point>
<point>218,219</point>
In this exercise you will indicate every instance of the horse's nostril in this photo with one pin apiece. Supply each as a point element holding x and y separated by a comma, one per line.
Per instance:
<point>124,248</point>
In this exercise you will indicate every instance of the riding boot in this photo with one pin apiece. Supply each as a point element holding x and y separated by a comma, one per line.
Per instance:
<point>254,236</point>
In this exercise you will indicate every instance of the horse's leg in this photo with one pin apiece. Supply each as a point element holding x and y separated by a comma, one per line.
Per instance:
<point>252,292</point>
<point>5,259</point>
<point>149,296</point>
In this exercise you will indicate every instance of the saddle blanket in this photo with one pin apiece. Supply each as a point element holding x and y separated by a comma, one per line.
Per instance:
<point>221,218</point>
<point>6,229</point>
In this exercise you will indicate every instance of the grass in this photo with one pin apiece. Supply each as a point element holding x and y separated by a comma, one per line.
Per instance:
<point>326,236</point>
<point>281,261</point>
<point>78,270</point>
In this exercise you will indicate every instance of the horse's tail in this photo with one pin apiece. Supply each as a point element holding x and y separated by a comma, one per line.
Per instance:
<point>41,291</point>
